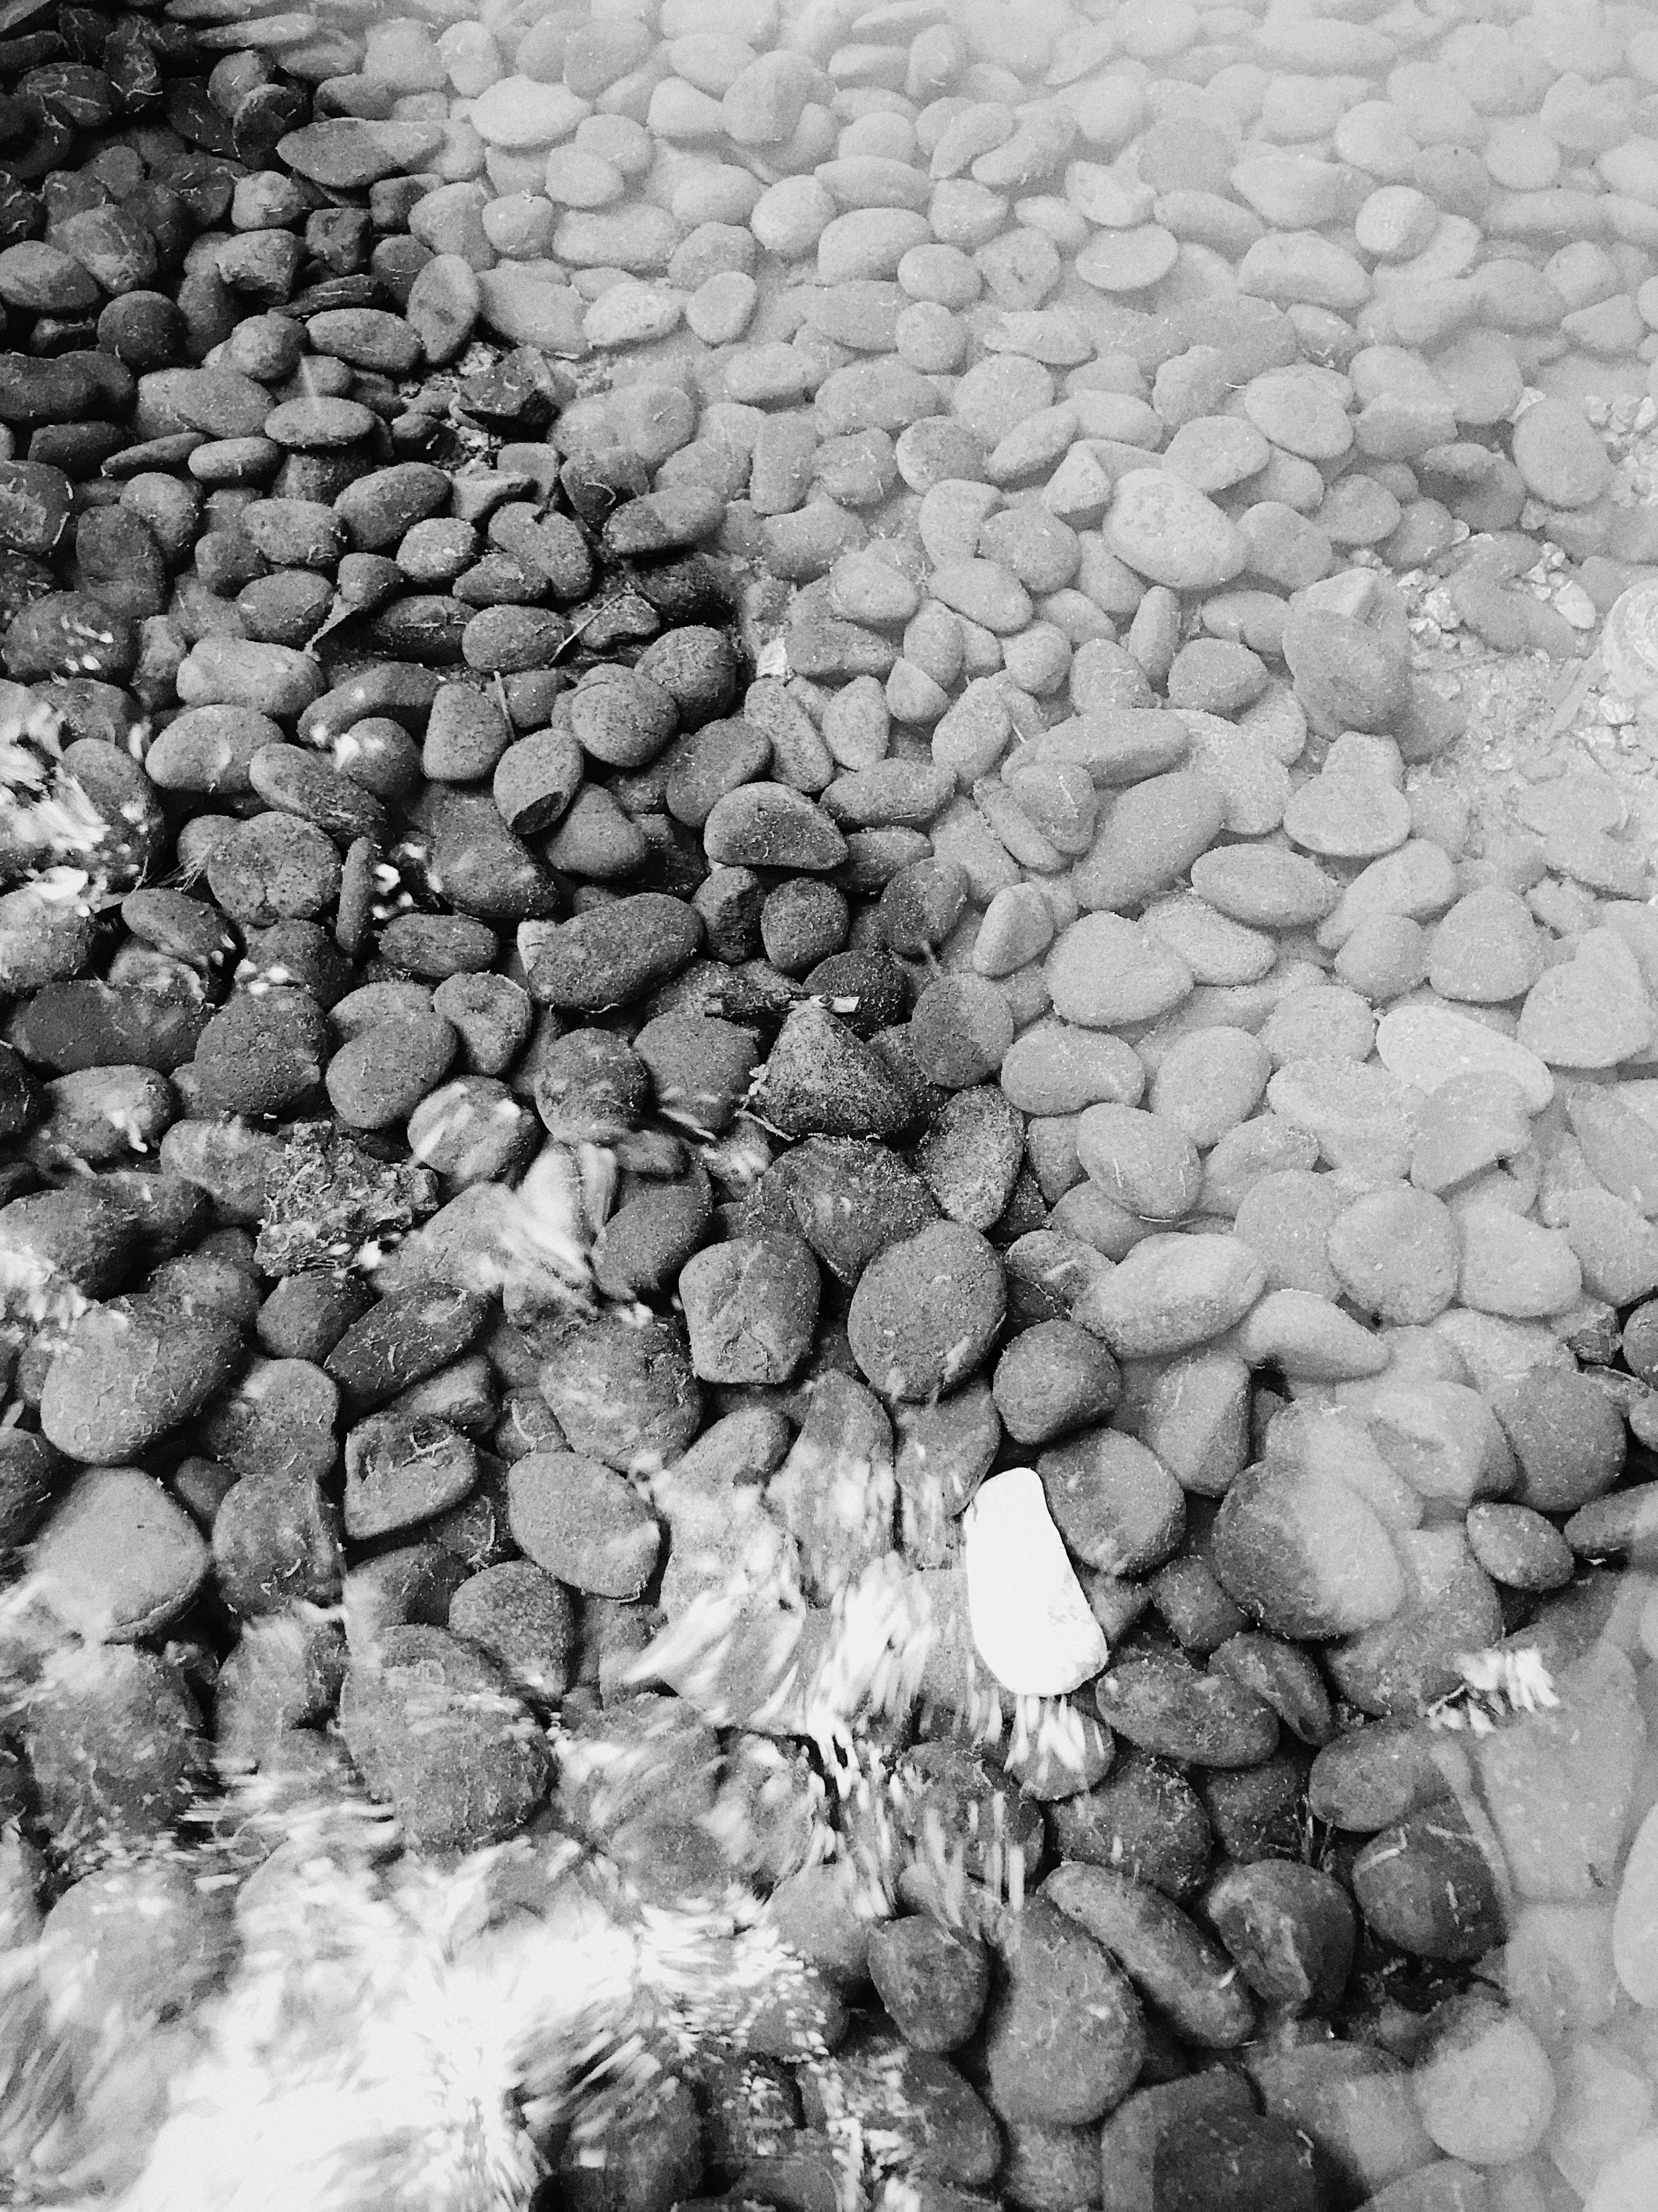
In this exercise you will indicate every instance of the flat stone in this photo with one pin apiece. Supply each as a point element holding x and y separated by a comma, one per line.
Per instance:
<point>1166,530</point>
<point>346,155</point>
<point>1560,458</point>
<point>1215,452</point>
<point>1301,268</point>
<point>1264,887</point>
<point>1514,1268</point>
<point>1064,2039</point>
<point>528,309</point>
<point>1394,1252</point>
<point>1592,1011</point>
<point>1150,839</point>
<point>639,238</point>
<point>1127,260</point>
<point>1177,1966</point>
<point>985,593</point>
<point>1484,2084</point>
<point>1451,1608</point>
<point>1349,675</point>
<point>1105,970</point>
<point>1309,1339</point>
<point>1172,1293</point>
<point>1320,1021</point>
<point>1518,1548</point>
<point>35,504</point>
<point>1443,1438</point>
<point>1031,1624</point>
<point>520,114</point>
<point>1425,1047</point>
<point>1144,1161</point>
<point>1285,1216</point>
<point>1417,881</point>
<point>1292,191</point>
<point>1426,1885</point>
<point>633,314</point>
<point>1558,1783</point>
<point>1347,817</point>
<point>1302,410</point>
<point>120,1558</point>
<point>1360,1113</point>
<point>42,279</point>
<point>1635,1935</point>
<point>1303,1555</point>
<point>1486,950</point>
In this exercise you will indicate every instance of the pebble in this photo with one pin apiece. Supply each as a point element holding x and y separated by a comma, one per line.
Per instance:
<point>1559,1783</point>
<point>1118,1508</point>
<point>1171,1294</point>
<point>582,1524</point>
<point>1142,1162</point>
<point>1163,1705</point>
<point>1175,1966</point>
<point>1305,1557</point>
<point>122,1380</point>
<point>1395,1254</point>
<point>117,1559</point>
<point>1168,531</point>
<point>1348,674</point>
<point>1560,458</point>
<point>1485,951</point>
<point>116,1752</point>
<point>1347,817</point>
<point>473,1767</point>
<point>1592,1012</point>
<point>1264,887</point>
<point>1427,1885</point>
<point>613,955</point>
<point>1030,1622</point>
<point>1484,2084</point>
<point>1450,1606</point>
<point>1634,1929</point>
<point>1567,1441</point>
<point>927,1311</point>
<point>1513,1266</point>
<point>1064,2039</point>
<point>1150,839</point>
<point>932,1982</point>
<point>1291,1928</point>
<point>1055,1376</point>
<point>345,153</point>
<point>750,1310</point>
<point>1427,1047</point>
<point>1105,971</point>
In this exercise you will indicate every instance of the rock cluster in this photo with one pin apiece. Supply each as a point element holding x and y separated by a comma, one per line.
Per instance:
<point>739,1016</point>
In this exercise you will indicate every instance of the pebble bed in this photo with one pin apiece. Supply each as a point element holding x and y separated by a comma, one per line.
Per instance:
<point>758,1103</point>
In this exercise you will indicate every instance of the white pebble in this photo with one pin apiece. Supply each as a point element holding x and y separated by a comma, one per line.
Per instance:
<point>1030,1622</point>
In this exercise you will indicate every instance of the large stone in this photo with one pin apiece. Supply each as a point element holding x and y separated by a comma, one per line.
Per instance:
<point>1559,1783</point>
<point>1561,460</point>
<point>1063,2036</point>
<point>347,154</point>
<point>1349,674</point>
<point>1303,1555</point>
<point>1031,1624</point>
<point>1105,970</point>
<point>1171,1293</point>
<point>1168,530</point>
<point>1592,1011</point>
<point>1425,1046</point>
